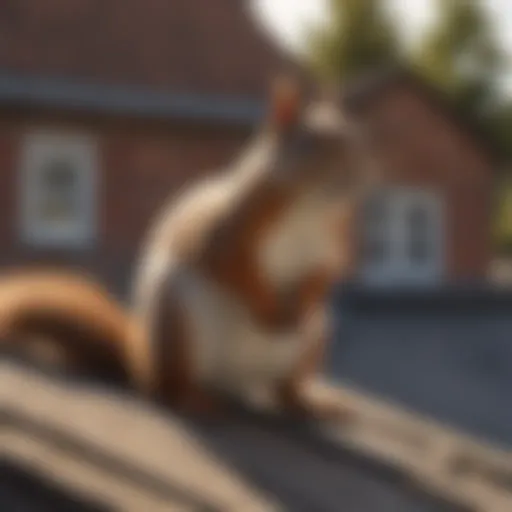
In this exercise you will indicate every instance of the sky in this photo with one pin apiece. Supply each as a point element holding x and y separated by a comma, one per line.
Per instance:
<point>286,18</point>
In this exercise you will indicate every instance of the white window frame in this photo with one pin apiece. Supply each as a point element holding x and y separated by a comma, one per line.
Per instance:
<point>397,271</point>
<point>38,147</point>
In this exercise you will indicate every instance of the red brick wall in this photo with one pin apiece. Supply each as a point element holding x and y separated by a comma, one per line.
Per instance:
<point>140,170</point>
<point>142,163</point>
<point>417,145</point>
<point>195,46</point>
<point>9,138</point>
<point>140,166</point>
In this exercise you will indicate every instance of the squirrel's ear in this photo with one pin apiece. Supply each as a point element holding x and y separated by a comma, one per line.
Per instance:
<point>285,102</point>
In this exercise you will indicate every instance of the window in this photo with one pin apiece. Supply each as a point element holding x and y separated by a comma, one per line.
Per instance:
<point>404,237</point>
<point>57,190</point>
<point>418,226</point>
<point>375,239</point>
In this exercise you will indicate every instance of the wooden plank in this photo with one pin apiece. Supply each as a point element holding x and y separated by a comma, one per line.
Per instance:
<point>145,450</point>
<point>448,462</point>
<point>137,457</point>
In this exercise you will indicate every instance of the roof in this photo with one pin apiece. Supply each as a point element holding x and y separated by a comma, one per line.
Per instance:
<point>143,56</point>
<point>250,462</point>
<point>25,91</point>
<point>368,87</point>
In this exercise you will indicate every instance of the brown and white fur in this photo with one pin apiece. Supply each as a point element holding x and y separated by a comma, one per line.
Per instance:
<point>230,294</point>
<point>233,279</point>
<point>70,319</point>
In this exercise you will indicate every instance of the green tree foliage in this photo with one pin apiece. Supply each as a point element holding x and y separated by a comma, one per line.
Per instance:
<point>502,229</point>
<point>359,35</point>
<point>461,55</point>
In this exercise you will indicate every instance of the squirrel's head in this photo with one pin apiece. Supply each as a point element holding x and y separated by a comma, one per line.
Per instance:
<point>315,145</point>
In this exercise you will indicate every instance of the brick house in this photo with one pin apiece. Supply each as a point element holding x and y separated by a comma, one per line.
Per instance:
<point>97,130</point>
<point>429,222</point>
<point>107,107</point>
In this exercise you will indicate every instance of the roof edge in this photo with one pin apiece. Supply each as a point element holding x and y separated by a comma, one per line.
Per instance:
<point>370,85</point>
<point>60,93</point>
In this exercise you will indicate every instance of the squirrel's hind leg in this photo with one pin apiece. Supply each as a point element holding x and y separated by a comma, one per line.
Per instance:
<point>177,383</point>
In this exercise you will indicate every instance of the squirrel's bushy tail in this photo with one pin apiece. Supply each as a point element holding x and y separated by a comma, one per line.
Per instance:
<point>73,315</point>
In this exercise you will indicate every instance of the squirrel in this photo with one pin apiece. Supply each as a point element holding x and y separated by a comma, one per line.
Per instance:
<point>230,293</point>
<point>234,276</point>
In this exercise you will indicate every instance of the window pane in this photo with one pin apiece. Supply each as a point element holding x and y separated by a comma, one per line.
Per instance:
<point>417,225</point>
<point>376,213</point>
<point>375,250</point>
<point>375,239</point>
<point>58,172</point>
<point>58,193</point>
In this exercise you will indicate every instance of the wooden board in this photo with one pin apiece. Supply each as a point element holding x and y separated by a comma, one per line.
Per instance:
<point>118,453</point>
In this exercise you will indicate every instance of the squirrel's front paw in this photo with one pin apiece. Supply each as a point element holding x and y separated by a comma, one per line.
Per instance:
<point>327,411</point>
<point>316,409</point>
